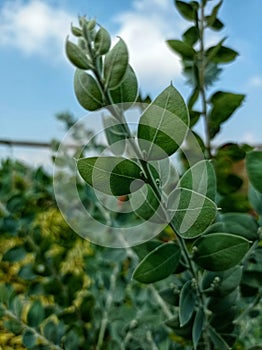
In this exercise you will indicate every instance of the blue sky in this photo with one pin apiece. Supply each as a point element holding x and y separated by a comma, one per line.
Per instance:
<point>36,78</point>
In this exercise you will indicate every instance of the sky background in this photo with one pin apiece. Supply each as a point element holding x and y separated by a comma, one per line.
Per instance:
<point>37,80</point>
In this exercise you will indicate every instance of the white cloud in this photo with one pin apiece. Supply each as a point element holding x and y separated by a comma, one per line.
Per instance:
<point>255,82</point>
<point>145,28</point>
<point>34,27</point>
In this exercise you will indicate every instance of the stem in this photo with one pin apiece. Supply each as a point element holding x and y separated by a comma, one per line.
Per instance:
<point>39,336</point>
<point>201,72</point>
<point>108,303</point>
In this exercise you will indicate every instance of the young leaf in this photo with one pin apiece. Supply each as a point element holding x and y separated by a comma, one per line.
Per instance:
<point>185,50</point>
<point>217,25</point>
<point>115,65</point>
<point>126,92</point>
<point>186,10</point>
<point>102,41</point>
<point>219,251</point>
<point>191,212</point>
<point>87,91</point>
<point>163,125</point>
<point>210,20</point>
<point>200,178</point>
<point>186,303</point>
<point>158,264</point>
<point>111,175</point>
<point>254,169</point>
<point>76,56</point>
<point>115,134</point>
<point>198,327</point>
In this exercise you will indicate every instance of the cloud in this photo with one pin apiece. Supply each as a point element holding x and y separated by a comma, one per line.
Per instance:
<point>34,27</point>
<point>255,82</point>
<point>145,28</point>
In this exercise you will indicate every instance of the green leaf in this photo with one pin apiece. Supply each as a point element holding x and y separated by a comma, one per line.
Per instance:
<point>217,25</point>
<point>191,212</point>
<point>210,20</point>
<point>158,264</point>
<point>241,224</point>
<point>221,54</point>
<point>224,105</point>
<point>111,175</point>
<point>217,340</point>
<point>29,338</point>
<point>200,178</point>
<point>186,10</point>
<point>198,327</point>
<point>146,205</point>
<point>163,125</point>
<point>227,281</point>
<point>186,303</point>
<point>76,56</point>
<point>193,98</point>
<point>143,249</point>
<point>115,134</point>
<point>13,326</point>
<point>126,93</point>
<point>254,169</point>
<point>252,278</point>
<point>170,295</point>
<point>191,36</point>
<point>102,41</point>
<point>36,314</point>
<point>87,91</point>
<point>255,199</point>
<point>185,50</point>
<point>115,65</point>
<point>14,254</point>
<point>219,251</point>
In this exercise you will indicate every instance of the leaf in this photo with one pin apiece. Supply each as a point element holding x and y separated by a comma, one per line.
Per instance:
<point>191,36</point>
<point>170,295</point>
<point>36,314</point>
<point>115,65</point>
<point>146,205</point>
<point>158,264</point>
<point>163,125</point>
<point>102,41</point>
<point>210,20</point>
<point>200,178</point>
<point>111,175</point>
<point>143,249</point>
<point>222,54</point>
<point>186,303</point>
<point>254,169</point>
<point>183,49</point>
<point>252,278</point>
<point>29,338</point>
<point>87,91</point>
<point>224,105</point>
<point>255,199</point>
<point>126,93</point>
<point>191,212</point>
<point>217,25</point>
<point>217,340</point>
<point>186,10</point>
<point>219,251</point>
<point>227,281</point>
<point>14,254</point>
<point>76,56</point>
<point>115,134</point>
<point>198,327</point>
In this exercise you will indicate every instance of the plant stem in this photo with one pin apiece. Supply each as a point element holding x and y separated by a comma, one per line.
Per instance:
<point>108,303</point>
<point>201,70</point>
